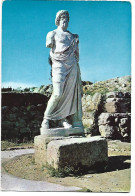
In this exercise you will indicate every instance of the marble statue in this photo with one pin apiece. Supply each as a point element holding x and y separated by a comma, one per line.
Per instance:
<point>65,100</point>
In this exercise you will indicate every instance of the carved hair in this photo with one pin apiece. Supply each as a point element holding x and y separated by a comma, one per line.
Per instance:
<point>59,14</point>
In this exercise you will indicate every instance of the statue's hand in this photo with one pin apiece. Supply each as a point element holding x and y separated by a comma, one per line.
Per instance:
<point>76,37</point>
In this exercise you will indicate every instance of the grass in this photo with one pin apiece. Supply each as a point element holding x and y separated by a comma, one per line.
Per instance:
<point>6,145</point>
<point>116,89</point>
<point>91,180</point>
<point>72,171</point>
<point>84,190</point>
<point>91,92</point>
<point>59,173</point>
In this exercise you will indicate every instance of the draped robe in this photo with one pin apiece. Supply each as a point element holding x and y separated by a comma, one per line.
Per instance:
<point>66,72</point>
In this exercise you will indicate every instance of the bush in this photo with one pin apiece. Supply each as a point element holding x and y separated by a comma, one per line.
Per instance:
<point>61,172</point>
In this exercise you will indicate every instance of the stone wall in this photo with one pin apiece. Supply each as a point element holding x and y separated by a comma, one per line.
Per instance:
<point>105,113</point>
<point>92,107</point>
<point>115,125</point>
<point>22,114</point>
<point>108,115</point>
<point>22,99</point>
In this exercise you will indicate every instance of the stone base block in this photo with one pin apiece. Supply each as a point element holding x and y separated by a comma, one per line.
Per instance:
<point>40,144</point>
<point>77,152</point>
<point>71,152</point>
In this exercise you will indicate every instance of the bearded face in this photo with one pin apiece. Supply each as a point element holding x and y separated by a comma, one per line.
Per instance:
<point>63,23</point>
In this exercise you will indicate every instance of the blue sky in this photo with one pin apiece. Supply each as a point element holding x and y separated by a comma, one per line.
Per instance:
<point>104,30</point>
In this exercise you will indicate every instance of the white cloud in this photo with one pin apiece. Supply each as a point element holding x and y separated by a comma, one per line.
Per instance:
<point>17,84</point>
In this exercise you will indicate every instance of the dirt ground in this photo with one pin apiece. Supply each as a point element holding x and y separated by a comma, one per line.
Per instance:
<point>116,177</point>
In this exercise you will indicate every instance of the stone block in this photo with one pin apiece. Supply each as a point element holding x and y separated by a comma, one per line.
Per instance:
<point>114,95</point>
<point>120,105</point>
<point>91,103</point>
<point>40,146</point>
<point>106,118</point>
<point>88,98</point>
<point>108,131</point>
<point>123,122</point>
<point>124,106</point>
<point>88,122</point>
<point>59,132</point>
<point>77,152</point>
<point>115,125</point>
<point>111,107</point>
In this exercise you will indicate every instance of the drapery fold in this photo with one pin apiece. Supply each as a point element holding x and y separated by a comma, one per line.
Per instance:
<point>65,70</point>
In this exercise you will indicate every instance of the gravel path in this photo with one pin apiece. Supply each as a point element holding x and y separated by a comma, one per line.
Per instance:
<point>12,183</point>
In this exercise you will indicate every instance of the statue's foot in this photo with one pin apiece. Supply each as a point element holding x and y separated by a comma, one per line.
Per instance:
<point>65,124</point>
<point>45,124</point>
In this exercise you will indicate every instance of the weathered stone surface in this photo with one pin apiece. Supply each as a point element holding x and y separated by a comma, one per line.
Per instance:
<point>18,105</point>
<point>122,84</point>
<point>91,106</point>
<point>57,132</point>
<point>124,79</point>
<point>88,122</point>
<point>117,125</point>
<point>112,102</point>
<point>120,105</point>
<point>76,152</point>
<point>21,122</point>
<point>122,115</point>
<point>108,131</point>
<point>91,103</point>
<point>111,107</point>
<point>114,95</point>
<point>106,118</point>
<point>40,146</point>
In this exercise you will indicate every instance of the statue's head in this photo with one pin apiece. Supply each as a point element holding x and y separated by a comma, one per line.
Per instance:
<point>62,17</point>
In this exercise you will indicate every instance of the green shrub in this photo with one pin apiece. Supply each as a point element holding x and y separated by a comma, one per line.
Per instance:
<point>61,172</point>
<point>116,89</point>
<point>84,190</point>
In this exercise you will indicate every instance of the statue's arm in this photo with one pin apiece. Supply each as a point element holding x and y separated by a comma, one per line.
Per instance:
<point>77,48</point>
<point>77,57</point>
<point>50,39</point>
<point>76,36</point>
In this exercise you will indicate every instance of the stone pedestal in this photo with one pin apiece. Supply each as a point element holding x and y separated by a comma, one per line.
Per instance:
<point>70,151</point>
<point>58,132</point>
<point>40,145</point>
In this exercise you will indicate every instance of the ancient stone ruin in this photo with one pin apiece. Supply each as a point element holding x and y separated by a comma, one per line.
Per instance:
<point>108,115</point>
<point>22,114</point>
<point>104,113</point>
<point>71,151</point>
<point>115,123</point>
<point>107,108</point>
